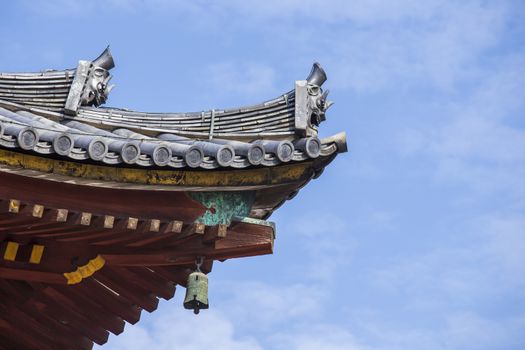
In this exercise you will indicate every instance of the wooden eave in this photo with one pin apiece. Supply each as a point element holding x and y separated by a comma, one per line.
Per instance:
<point>96,271</point>
<point>104,210</point>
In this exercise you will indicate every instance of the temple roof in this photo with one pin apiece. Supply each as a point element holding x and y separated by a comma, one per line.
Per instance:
<point>105,210</point>
<point>81,141</point>
<point>58,113</point>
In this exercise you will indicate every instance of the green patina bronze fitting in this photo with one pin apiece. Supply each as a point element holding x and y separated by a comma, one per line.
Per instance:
<point>222,207</point>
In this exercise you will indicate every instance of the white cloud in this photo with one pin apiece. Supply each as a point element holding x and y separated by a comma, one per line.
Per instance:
<point>478,141</point>
<point>176,328</point>
<point>485,265</point>
<point>439,46</point>
<point>316,337</point>
<point>241,78</point>
<point>467,330</point>
<point>325,224</point>
<point>331,11</point>
<point>475,141</point>
<point>281,317</point>
<point>459,330</point>
<point>327,239</point>
<point>368,45</point>
<point>264,307</point>
<point>504,245</point>
<point>328,11</point>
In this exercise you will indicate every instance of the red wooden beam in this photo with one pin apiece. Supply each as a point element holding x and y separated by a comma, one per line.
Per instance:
<point>108,299</point>
<point>89,304</point>
<point>133,294</point>
<point>116,202</point>
<point>144,279</point>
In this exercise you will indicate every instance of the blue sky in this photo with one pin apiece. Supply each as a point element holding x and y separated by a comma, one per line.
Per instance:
<point>415,238</point>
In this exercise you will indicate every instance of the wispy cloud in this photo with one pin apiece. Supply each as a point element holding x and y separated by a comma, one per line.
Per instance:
<point>317,336</point>
<point>479,140</point>
<point>263,306</point>
<point>369,45</point>
<point>457,86</point>
<point>172,328</point>
<point>326,240</point>
<point>242,78</point>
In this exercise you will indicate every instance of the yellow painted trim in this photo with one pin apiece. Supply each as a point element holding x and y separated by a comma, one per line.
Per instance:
<point>97,262</point>
<point>36,254</point>
<point>10,251</point>
<point>73,277</point>
<point>85,271</point>
<point>280,174</point>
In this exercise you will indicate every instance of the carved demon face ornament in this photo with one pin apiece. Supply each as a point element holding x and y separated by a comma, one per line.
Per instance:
<point>310,102</point>
<point>97,90</point>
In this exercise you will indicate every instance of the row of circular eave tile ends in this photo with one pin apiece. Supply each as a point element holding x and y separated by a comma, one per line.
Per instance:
<point>80,141</point>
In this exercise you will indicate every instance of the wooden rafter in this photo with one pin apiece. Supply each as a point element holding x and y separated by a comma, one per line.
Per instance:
<point>71,275</point>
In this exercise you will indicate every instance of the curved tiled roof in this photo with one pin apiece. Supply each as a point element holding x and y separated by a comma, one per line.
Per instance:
<point>47,89</point>
<point>274,118</point>
<point>79,141</point>
<point>53,113</point>
<point>142,194</point>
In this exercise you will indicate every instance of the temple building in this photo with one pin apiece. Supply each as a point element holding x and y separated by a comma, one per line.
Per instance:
<point>105,210</point>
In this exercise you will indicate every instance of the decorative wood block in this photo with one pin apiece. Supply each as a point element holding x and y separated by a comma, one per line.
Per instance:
<point>132,223</point>
<point>214,233</point>
<point>176,226</point>
<point>61,215</point>
<point>36,254</point>
<point>38,210</point>
<point>10,251</point>
<point>154,225</point>
<point>14,206</point>
<point>109,221</point>
<point>85,219</point>
<point>200,228</point>
<point>222,230</point>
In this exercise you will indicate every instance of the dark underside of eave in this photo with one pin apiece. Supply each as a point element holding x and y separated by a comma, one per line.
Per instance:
<point>148,239</point>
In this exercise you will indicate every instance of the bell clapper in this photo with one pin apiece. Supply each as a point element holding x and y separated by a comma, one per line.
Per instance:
<point>198,264</point>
